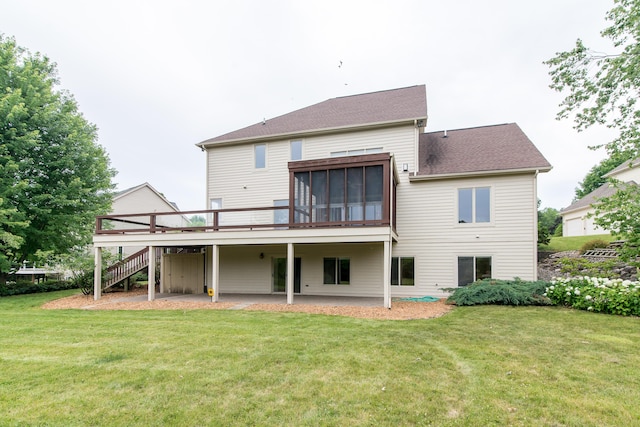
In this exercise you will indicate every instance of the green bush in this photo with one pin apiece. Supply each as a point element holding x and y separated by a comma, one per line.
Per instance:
<point>584,267</point>
<point>26,287</point>
<point>593,244</point>
<point>501,292</point>
<point>599,295</point>
<point>558,231</point>
<point>84,281</point>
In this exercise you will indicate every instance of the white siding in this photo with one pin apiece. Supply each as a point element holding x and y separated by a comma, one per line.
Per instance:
<point>579,223</point>
<point>143,200</point>
<point>426,221</point>
<point>232,177</point>
<point>428,230</point>
<point>242,270</point>
<point>629,174</point>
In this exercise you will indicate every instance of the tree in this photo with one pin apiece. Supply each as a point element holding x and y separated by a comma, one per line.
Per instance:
<point>197,221</point>
<point>603,89</point>
<point>54,177</point>
<point>624,219</point>
<point>549,219</point>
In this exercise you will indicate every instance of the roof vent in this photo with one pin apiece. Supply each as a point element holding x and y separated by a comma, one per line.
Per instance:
<point>445,134</point>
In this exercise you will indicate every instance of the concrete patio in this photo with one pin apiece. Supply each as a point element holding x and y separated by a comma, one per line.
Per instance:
<point>244,300</point>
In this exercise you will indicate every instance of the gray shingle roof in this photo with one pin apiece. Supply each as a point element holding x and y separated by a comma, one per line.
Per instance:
<point>476,150</point>
<point>389,106</point>
<point>624,166</point>
<point>605,190</point>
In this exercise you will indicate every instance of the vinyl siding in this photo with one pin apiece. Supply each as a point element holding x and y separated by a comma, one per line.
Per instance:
<point>428,230</point>
<point>243,271</point>
<point>577,223</point>
<point>233,178</point>
<point>630,174</point>
<point>426,221</point>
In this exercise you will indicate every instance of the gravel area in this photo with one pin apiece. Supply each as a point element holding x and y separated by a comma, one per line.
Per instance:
<point>400,310</point>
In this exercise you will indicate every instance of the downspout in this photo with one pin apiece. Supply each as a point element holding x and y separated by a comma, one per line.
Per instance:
<point>416,147</point>
<point>535,222</point>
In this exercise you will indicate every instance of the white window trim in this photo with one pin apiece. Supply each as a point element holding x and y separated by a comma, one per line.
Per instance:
<point>415,280</point>
<point>337,272</point>
<point>474,256</point>
<point>301,141</point>
<point>266,157</point>
<point>210,215</point>
<point>491,222</point>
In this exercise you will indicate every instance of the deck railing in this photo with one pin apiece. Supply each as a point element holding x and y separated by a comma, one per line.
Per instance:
<point>216,220</point>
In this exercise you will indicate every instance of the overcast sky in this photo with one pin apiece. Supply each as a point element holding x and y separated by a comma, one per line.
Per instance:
<point>157,77</point>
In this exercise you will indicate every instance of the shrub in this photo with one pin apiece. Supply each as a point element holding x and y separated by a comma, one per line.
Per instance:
<point>27,287</point>
<point>84,281</point>
<point>593,244</point>
<point>584,267</point>
<point>501,292</point>
<point>558,231</point>
<point>596,294</point>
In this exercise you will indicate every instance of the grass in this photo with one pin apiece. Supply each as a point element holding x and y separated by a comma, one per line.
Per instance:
<point>573,243</point>
<point>486,365</point>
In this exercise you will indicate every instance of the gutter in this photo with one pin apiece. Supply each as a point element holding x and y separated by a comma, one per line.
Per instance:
<point>437,177</point>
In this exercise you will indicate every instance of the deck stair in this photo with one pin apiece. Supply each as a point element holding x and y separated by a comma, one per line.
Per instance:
<point>601,253</point>
<point>125,268</point>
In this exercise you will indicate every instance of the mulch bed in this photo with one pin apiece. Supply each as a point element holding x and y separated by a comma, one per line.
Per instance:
<point>400,310</point>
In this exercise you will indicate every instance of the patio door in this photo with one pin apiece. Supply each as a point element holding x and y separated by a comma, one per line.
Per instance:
<point>280,275</point>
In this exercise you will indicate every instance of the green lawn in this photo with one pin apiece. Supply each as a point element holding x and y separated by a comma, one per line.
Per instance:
<point>485,365</point>
<point>574,243</point>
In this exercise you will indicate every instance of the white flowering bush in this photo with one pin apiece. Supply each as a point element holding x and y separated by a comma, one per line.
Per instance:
<point>613,296</point>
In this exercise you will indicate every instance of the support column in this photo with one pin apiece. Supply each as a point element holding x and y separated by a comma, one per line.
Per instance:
<point>215,272</point>
<point>151,274</point>
<point>386,271</point>
<point>290,272</point>
<point>97,273</point>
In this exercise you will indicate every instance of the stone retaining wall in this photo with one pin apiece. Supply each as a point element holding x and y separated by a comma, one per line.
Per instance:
<point>549,267</point>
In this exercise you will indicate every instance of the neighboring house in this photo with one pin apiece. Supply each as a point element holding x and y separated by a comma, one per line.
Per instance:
<point>142,198</point>
<point>350,197</point>
<point>578,218</point>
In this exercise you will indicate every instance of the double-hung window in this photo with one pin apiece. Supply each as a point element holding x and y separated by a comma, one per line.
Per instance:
<point>472,268</point>
<point>474,205</point>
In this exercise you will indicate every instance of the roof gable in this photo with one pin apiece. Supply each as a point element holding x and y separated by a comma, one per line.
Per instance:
<point>605,190</point>
<point>629,164</point>
<point>131,190</point>
<point>487,149</point>
<point>384,107</point>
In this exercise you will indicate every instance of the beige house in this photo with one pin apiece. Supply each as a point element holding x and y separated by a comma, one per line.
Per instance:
<point>143,198</point>
<point>578,218</point>
<point>350,197</point>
